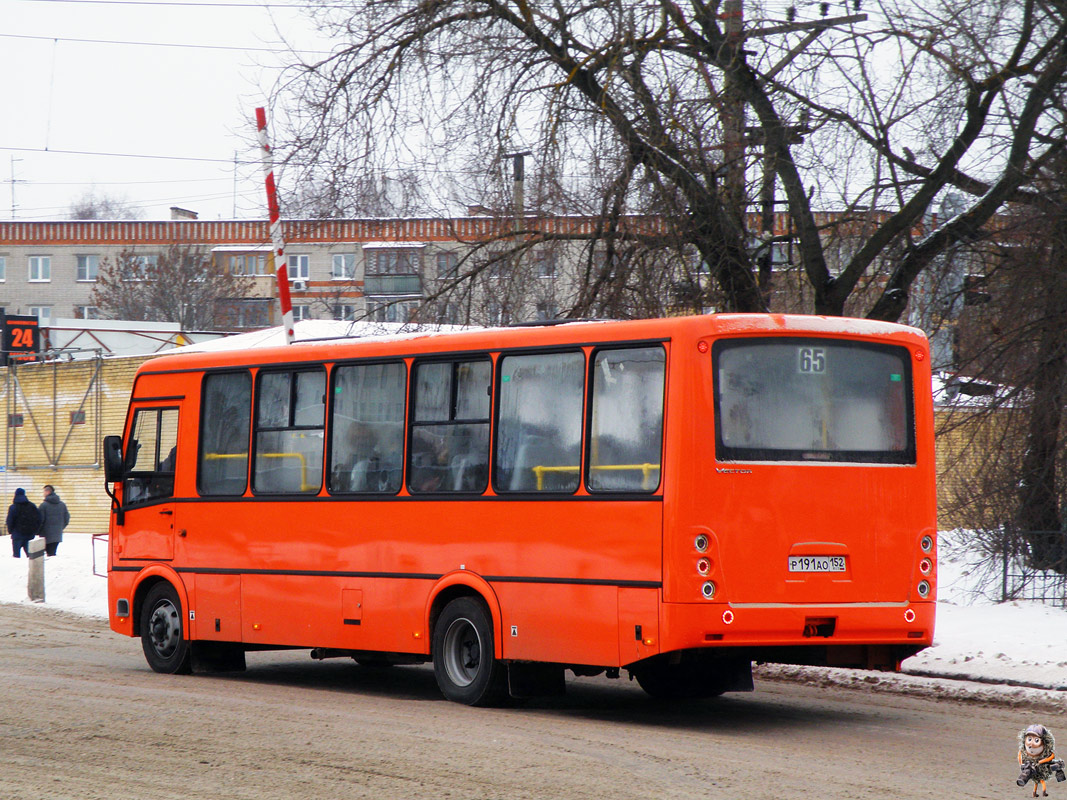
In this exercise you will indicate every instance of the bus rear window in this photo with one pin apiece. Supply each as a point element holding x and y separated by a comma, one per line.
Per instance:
<point>801,399</point>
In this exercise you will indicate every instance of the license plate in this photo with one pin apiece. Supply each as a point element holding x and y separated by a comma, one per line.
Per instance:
<point>816,563</point>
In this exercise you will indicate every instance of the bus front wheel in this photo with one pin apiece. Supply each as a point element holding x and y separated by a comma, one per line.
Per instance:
<point>463,661</point>
<point>165,647</point>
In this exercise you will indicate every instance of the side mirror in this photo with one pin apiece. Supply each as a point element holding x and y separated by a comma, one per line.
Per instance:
<point>114,468</point>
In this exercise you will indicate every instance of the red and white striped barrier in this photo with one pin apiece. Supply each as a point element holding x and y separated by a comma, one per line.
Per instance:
<point>277,243</point>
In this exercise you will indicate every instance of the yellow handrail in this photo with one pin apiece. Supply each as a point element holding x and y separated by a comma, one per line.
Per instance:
<point>304,485</point>
<point>646,471</point>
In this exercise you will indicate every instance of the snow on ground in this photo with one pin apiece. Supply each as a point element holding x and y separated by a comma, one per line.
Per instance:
<point>1021,642</point>
<point>69,582</point>
<point>1022,646</point>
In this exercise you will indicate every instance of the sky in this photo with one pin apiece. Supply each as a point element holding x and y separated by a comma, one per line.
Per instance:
<point>91,86</point>
<point>148,101</point>
<point>1014,652</point>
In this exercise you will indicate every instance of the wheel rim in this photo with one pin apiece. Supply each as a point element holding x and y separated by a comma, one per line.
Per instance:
<point>462,652</point>
<point>165,629</point>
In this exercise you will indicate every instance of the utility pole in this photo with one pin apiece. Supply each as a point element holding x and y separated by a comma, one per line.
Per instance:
<point>518,161</point>
<point>735,133</point>
<point>235,184</point>
<point>734,108</point>
<point>13,182</point>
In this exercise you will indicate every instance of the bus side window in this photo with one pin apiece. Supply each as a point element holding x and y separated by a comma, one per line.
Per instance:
<point>626,427</point>
<point>290,417</point>
<point>539,434</point>
<point>226,408</point>
<point>151,455</point>
<point>450,427</point>
<point>367,428</point>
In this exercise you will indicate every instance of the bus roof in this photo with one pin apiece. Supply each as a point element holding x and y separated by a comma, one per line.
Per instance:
<point>444,339</point>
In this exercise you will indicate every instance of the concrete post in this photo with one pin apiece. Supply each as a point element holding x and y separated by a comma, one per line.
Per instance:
<point>35,581</point>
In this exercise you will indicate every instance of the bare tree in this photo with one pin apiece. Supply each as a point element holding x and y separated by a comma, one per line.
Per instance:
<point>95,205</point>
<point>655,108</point>
<point>1013,341</point>
<point>181,284</point>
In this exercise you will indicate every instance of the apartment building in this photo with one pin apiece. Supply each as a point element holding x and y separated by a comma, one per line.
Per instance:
<point>463,269</point>
<point>337,268</point>
<point>379,269</point>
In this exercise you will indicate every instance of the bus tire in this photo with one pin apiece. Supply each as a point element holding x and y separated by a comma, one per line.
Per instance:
<point>464,663</point>
<point>162,632</point>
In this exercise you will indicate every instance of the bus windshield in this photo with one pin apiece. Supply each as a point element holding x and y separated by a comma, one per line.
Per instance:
<point>803,399</point>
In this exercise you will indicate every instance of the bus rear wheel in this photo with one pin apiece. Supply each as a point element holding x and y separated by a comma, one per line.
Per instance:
<point>463,661</point>
<point>162,638</point>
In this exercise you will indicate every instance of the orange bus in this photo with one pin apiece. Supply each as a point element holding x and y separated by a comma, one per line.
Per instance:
<point>676,498</point>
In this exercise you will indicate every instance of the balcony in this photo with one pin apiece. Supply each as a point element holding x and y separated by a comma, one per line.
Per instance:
<point>392,284</point>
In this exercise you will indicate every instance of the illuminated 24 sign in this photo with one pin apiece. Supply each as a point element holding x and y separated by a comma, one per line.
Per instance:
<point>21,338</point>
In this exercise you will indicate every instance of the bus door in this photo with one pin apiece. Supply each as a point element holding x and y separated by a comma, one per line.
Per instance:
<point>148,487</point>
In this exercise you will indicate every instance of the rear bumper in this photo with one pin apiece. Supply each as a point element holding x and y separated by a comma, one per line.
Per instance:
<point>691,625</point>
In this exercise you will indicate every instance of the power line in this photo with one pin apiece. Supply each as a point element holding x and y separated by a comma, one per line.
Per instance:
<point>227,161</point>
<point>188,3</point>
<point>162,44</point>
<point>118,183</point>
<point>424,169</point>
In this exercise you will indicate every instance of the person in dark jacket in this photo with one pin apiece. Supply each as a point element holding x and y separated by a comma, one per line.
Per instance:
<point>54,518</point>
<point>23,522</point>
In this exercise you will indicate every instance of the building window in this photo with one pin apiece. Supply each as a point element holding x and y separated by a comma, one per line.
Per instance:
<point>86,312</point>
<point>88,267</point>
<point>247,264</point>
<point>40,268</point>
<point>447,265</point>
<point>77,417</point>
<point>253,313</point>
<point>498,265</point>
<point>545,264</point>
<point>394,261</point>
<point>299,267</point>
<point>498,313</point>
<point>43,314</point>
<point>301,312</point>
<point>385,310</point>
<point>344,313</point>
<point>3,268</point>
<point>344,266</point>
<point>15,420</point>
<point>546,310</point>
<point>136,268</point>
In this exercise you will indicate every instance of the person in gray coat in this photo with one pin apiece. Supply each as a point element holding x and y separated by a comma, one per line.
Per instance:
<point>54,518</point>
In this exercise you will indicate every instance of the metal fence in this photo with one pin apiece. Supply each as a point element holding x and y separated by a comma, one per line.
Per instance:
<point>1022,581</point>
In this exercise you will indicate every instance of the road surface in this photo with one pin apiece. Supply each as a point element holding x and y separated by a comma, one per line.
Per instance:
<point>82,716</point>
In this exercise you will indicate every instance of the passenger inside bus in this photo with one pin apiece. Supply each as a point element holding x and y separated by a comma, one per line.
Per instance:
<point>372,459</point>
<point>449,458</point>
